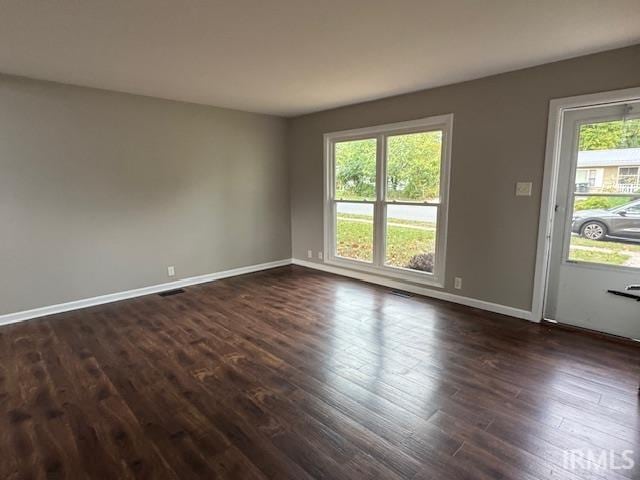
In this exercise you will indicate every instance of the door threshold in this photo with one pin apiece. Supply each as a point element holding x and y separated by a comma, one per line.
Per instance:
<point>592,333</point>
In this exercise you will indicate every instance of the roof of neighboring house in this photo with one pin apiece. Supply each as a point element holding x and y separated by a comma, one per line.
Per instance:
<point>609,158</point>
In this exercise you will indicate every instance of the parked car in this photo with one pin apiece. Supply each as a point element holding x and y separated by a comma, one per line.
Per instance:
<point>619,222</point>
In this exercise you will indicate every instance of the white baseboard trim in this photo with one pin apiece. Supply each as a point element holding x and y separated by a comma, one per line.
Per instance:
<point>138,292</point>
<point>210,277</point>
<point>427,292</point>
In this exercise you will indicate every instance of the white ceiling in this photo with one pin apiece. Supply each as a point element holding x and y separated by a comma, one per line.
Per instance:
<point>289,57</point>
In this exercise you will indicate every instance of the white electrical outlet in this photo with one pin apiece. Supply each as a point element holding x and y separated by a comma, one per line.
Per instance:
<point>319,255</point>
<point>309,253</point>
<point>457,283</point>
<point>523,189</point>
<point>171,271</point>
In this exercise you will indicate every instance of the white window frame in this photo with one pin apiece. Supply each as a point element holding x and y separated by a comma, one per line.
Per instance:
<point>597,177</point>
<point>442,123</point>
<point>637,175</point>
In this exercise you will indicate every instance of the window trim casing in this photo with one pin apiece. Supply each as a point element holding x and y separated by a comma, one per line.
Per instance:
<point>381,132</point>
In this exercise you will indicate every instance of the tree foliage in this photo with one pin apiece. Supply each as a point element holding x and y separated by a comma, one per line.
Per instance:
<point>593,203</point>
<point>610,135</point>
<point>356,169</point>
<point>413,167</point>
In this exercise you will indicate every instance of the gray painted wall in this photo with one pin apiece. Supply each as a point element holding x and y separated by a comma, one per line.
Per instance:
<point>498,138</point>
<point>101,191</point>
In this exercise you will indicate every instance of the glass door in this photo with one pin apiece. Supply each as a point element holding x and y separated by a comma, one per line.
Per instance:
<point>596,234</point>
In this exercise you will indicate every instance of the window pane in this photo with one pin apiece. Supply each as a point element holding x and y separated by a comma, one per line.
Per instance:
<point>605,226</point>
<point>413,167</point>
<point>355,166</point>
<point>354,231</point>
<point>606,230</point>
<point>411,237</point>
<point>581,176</point>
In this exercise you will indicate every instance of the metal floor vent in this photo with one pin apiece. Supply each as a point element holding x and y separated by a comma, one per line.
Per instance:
<point>401,293</point>
<point>168,293</point>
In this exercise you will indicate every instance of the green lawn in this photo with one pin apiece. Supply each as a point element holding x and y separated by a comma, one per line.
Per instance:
<point>598,257</point>
<point>355,238</point>
<point>617,253</point>
<point>616,246</point>
<point>406,238</point>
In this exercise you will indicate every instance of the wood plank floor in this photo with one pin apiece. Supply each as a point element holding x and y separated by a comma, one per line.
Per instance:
<point>298,374</point>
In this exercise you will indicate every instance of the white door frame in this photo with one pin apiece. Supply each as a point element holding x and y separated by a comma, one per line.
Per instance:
<point>557,107</point>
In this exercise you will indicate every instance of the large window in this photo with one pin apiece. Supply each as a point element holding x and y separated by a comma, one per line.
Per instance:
<point>386,198</point>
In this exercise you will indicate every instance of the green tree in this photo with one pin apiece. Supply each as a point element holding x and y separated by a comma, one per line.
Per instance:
<point>356,169</point>
<point>413,166</point>
<point>610,135</point>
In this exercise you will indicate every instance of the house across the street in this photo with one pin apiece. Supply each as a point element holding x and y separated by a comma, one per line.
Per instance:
<point>608,171</point>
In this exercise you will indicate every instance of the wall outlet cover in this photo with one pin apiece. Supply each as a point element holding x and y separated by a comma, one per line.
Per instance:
<point>523,189</point>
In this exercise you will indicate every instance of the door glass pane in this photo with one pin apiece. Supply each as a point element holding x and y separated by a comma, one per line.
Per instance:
<point>605,223</point>
<point>354,231</point>
<point>606,230</point>
<point>355,169</point>
<point>411,237</point>
<point>413,167</point>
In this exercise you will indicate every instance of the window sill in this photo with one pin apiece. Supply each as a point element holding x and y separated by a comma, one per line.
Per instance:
<point>425,279</point>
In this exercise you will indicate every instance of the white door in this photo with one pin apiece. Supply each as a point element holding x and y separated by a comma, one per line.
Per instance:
<point>595,243</point>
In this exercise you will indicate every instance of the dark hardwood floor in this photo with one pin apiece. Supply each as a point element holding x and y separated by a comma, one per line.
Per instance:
<point>293,373</point>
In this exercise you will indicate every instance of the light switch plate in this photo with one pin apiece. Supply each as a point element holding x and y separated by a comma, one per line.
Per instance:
<point>523,189</point>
